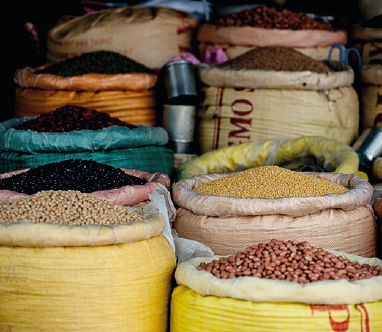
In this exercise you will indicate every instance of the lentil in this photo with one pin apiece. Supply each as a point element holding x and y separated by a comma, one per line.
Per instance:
<point>273,18</point>
<point>70,117</point>
<point>276,58</point>
<point>269,182</point>
<point>294,261</point>
<point>67,208</point>
<point>100,62</point>
<point>74,174</point>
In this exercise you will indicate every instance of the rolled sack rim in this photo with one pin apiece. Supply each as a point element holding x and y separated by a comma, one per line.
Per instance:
<point>330,292</point>
<point>360,193</point>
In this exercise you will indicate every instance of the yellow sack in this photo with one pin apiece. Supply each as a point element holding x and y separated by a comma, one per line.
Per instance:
<point>332,155</point>
<point>203,302</point>
<point>74,279</point>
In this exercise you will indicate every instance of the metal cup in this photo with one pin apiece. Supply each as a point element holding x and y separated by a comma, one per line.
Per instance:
<point>179,79</point>
<point>179,121</point>
<point>369,143</point>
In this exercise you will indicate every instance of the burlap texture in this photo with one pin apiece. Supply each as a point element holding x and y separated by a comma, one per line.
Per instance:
<point>135,107</point>
<point>360,193</point>
<point>226,77</point>
<point>126,195</point>
<point>269,37</point>
<point>149,35</point>
<point>27,78</point>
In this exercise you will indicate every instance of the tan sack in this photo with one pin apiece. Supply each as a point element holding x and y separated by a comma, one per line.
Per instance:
<point>149,35</point>
<point>27,78</point>
<point>233,51</point>
<point>227,225</point>
<point>134,107</point>
<point>269,37</point>
<point>126,195</point>
<point>368,42</point>
<point>227,77</point>
<point>371,99</point>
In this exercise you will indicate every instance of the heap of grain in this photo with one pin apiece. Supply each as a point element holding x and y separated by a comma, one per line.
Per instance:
<point>85,256</point>
<point>77,132</point>
<point>107,81</point>
<point>300,286</point>
<point>229,212</point>
<point>261,26</point>
<point>276,92</point>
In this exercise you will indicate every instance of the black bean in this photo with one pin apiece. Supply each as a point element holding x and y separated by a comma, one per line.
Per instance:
<point>85,176</point>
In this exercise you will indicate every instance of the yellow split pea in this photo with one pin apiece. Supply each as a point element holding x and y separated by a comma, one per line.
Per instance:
<point>270,182</point>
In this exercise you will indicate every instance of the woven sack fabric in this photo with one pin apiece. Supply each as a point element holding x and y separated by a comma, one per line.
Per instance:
<point>126,195</point>
<point>149,159</point>
<point>109,138</point>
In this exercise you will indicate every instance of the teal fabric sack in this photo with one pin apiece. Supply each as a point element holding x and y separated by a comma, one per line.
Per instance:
<point>110,138</point>
<point>147,158</point>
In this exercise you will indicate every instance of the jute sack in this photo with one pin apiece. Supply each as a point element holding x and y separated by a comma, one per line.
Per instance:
<point>149,35</point>
<point>371,101</point>
<point>250,36</point>
<point>255,304</point>
<point>126,195</point>
<point>239,115</point>
<point>368,42</point>
<point>343,222</point>
<point>89,278</point>
<point>233,51</point>
<point>135,107</point>
<point>332,155</point>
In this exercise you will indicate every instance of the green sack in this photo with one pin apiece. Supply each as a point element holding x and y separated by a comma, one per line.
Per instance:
<point>110,138</point>
<point>146,158</point>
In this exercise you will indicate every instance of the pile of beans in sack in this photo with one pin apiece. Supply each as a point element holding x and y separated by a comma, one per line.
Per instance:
<point>72,117</point>
<point>291,261</point>
<point>107,81</point>
<point>115,185</point>
<point>227,212</point>
<point>273,18</point>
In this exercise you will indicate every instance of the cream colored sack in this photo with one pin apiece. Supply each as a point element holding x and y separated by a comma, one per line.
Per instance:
<point>233,51</point>
<point>333,156</point>
<point>371,100</point>
<point>227,77</point>
<point>330,292</point>
<point>149,35</point>
<point>234,116</point>
<point>247,35</point>
<point>343,222</point>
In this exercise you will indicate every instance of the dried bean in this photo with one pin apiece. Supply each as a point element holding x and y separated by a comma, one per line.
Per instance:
<point>302,272</point>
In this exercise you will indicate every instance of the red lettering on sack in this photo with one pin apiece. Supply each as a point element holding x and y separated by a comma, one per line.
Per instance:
<point>367,326</point>
<point>336,326</point>
<point>217,122</point>
<point>244,102</point>
<point>238,122</point>
<point>100,41</point>
<point>376,51</point>
<point>243,89</point>
<point>184,25</point>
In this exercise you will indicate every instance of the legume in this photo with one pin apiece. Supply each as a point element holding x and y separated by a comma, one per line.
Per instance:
<point>272,18</point>
<point>269,182</point>
<point>294,261</point>
<point>101,62</point>
<point>71,117</point>
<point>85,176</point>
<point>276,58</point>
<point>67,208</point>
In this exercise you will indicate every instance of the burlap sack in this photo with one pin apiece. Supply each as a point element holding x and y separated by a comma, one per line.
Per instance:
<point>27,78</point>
<point>269,37</point>
<point>149,35</point>
<point>343,222</point>
<point>233,51</point>
<point>227,77</point>
<point>135,107</point>
<point>371,101</point>
<point>234,116</point>
<point>126,195</point>
<point>368,42</point>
